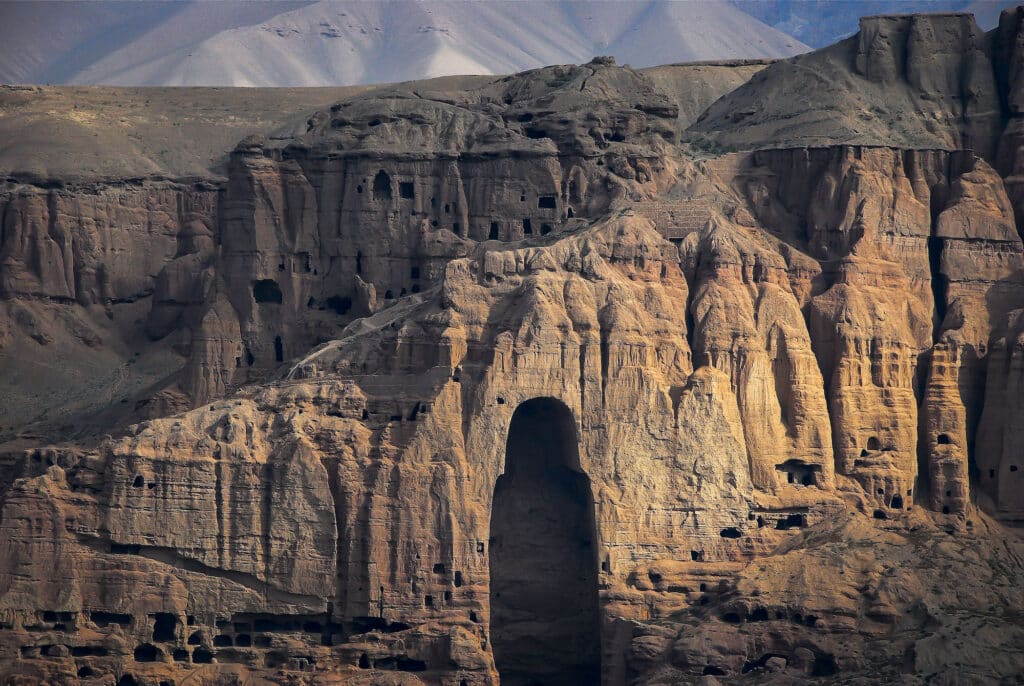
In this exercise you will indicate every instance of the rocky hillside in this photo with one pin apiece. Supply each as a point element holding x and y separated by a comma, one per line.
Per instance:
<point>702,373</point>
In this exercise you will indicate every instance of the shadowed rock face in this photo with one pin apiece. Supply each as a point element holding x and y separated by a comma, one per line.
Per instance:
<point>460,381</point>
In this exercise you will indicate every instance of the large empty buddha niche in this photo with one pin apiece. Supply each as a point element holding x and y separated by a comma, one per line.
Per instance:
<point>543,560</point>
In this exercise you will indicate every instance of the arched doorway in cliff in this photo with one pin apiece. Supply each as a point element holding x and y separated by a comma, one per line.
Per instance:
<point>543,560</point>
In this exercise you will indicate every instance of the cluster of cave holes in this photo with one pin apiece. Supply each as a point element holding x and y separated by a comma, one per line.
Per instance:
<point>457,581</point>
<point>824,665</point>
<point>782,521</point>
<point>799,472</point>
<point>395,663</point>
<point>252,631</point>
<point>761,614</point>
<point>382,188</point>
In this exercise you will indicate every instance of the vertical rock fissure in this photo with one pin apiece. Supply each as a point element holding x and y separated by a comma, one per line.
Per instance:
<point>938,283</point>
<point>543,565</point>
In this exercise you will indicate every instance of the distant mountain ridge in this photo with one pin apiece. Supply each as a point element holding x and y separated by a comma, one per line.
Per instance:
<point>349,42</point>
<point>338,42</point>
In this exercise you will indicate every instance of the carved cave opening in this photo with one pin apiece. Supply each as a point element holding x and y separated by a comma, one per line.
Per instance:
<point>267,291</point>
<point>543,561</point>
<point>382,187</point>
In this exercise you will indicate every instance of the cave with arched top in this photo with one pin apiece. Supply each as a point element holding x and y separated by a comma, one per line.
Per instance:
<point>543,555</point>
<point>382,187</point>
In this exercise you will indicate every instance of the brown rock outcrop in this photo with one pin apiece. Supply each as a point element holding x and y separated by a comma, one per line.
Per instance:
<point>513,379</point>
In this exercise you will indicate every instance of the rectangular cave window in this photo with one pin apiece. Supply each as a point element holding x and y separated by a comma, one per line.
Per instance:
<point>103,619</point>
<point>547,202</point>
<point>278,349</point>
<point>406,190</point>
<point>415,272</point>
<point>527,227</point>
<point>494,231</point>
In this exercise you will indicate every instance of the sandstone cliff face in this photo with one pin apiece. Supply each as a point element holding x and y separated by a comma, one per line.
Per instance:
<point>509,383</point>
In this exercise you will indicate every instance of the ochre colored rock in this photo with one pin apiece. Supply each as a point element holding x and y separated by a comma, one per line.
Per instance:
<point>529,378</point>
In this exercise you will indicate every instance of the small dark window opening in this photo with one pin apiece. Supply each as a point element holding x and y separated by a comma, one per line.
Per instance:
<point>824,665</point>
<point>414,272</point>
<point>267,291</point>
<point>458,579</point>
<point>202,656</point>
<point>388,295</point>
<point>494,231</point>
<point>278,349</point>
<point>944,439</point>
<point>731,532</point>
<point>569,213</point>
<point>164,627</point>
<point>340,304</point>
<point>139,481</point>
<point>382,186</point>
<point>359,262</point>
<point>250,359</point>
<point>791,521</point>
<point>406,190</point>
<point>527,227</point>
<point>1013,467</point>
<point>147,652</point>
<point>896,503</point>
<point>547,202</point>
<point>457,229</point>
<point>545,229</point>
<point>873,443</point>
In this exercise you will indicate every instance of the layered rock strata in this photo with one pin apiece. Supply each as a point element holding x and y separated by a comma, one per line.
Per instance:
<point>531,380</point>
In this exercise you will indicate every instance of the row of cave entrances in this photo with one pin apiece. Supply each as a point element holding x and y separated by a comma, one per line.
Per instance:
<point>544,602</point>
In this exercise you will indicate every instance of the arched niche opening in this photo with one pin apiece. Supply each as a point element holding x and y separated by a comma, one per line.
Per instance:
<point>382,187</point>
<point>545,617</point>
